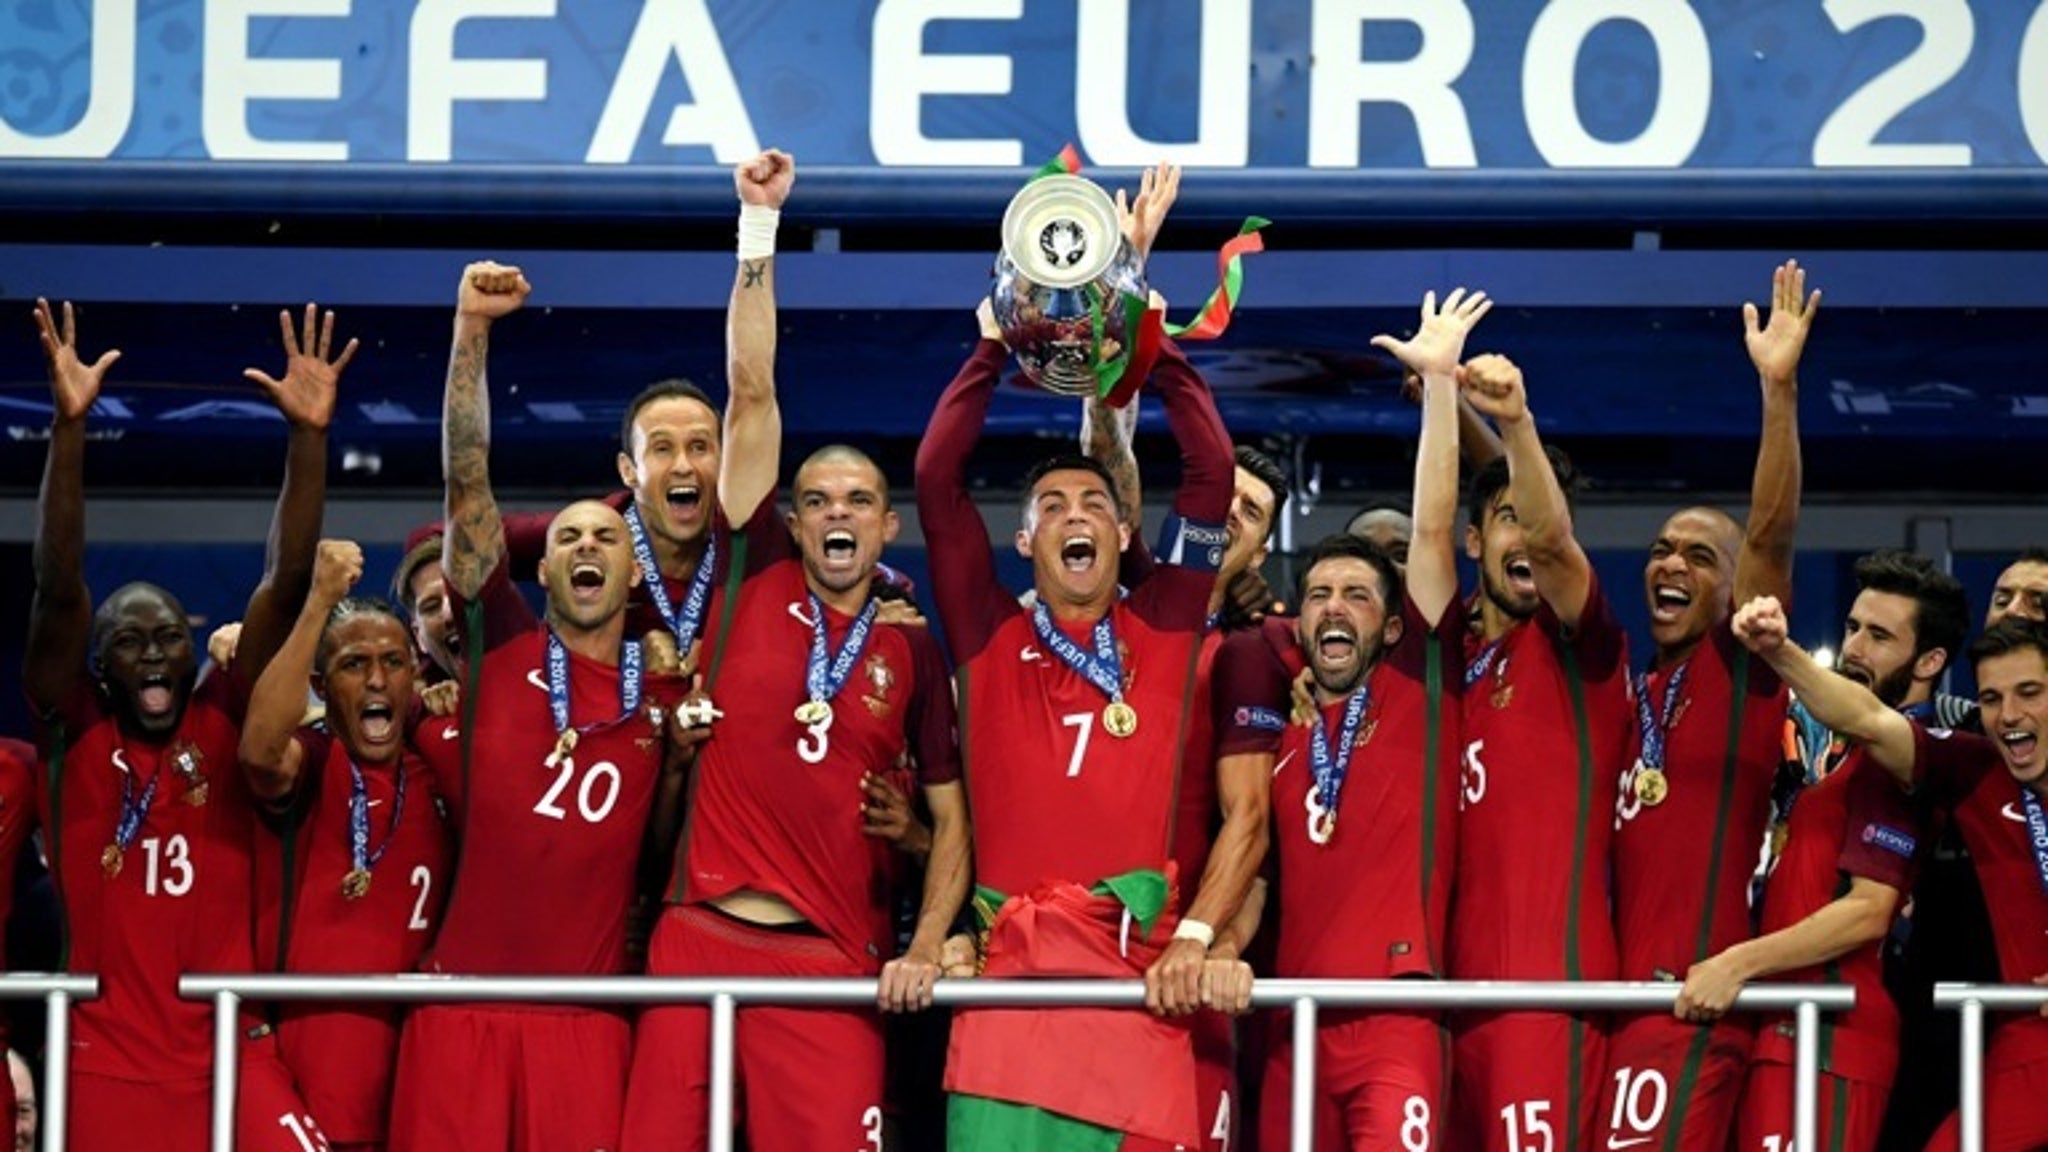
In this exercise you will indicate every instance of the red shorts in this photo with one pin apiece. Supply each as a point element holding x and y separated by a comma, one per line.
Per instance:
<point>109,1113</point>
<point>342,1059</point>
<point>1661,1072</point>
<point>1216,1080</point>
<point>512,1077</point>
<point>804,1078</point>
<point>1851,1111</point>
<point>1517,1075</point>
<point>2015,1104</point>
<point>1379,1081</point>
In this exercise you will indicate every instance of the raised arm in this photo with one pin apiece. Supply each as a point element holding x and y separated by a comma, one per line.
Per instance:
<point>1764,567</point>
<point>963,563</point>
<point>1852,711</point>
<point>270,757</point>
<point>1207,465</point>
<point>475,541</point>
<point>751,456</point>
<point>1433,353</point>
<point>305,396</point>
<point>1106,435</point>
<point>60,616</point>
<point>1564,576</point>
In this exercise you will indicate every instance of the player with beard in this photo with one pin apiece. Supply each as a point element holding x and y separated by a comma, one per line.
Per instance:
<point>1693,809</point>
<point>148,824</point>
<point>1072,719</point>
<point>1993,786</point>
<point>553,798</point>
<point>1836,886</point>
<point>1546,725</point>
<point>352,869</point>
<point>1364,886</point>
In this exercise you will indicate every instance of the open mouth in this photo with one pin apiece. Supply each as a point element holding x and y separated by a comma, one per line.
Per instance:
<point>839,545</point>
<point>1335,644</point>
<point>2019,746</point>
<point>1077,553</point>
<point>1857,673</point>
<point>586,577</point>
<point>156,697</point>
<point>1521,574</point>
<point>376,722</point>
<point>684,499</point>
<point>1668,603</point>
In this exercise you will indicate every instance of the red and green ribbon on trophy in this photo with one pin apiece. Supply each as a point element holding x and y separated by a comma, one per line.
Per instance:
<point>1119,376</point>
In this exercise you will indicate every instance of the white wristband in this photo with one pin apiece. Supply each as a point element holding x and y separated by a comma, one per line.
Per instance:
<point>1195,930</point>
<point>757,231</point>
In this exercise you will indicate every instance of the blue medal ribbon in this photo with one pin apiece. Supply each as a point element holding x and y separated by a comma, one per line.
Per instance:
<point>1104,668</point>
<point>827,673</point>
<point>134,811</point>
<point>558,682</point>
<point>684,624</point>
<point>361,858</point>
<point>2037,832</point>
<point>1475,670</point>
<point>1654,728</point>
<point>1329,767</point>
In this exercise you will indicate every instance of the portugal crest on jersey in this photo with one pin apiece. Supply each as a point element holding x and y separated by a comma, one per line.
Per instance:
<point>881,682</point>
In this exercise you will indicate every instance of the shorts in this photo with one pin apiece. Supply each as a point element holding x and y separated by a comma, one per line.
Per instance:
<point>1850,1111</point>
<point>1379,1081</point>
<point>512,1077</point>
<point>1661,1072</point>
<point>804,1078</point>
<point>342,1058</point>
<point>1216,1080</point>
<point>115,1114</point>
<point>2015,1103</point>
<point>1516,1075</point>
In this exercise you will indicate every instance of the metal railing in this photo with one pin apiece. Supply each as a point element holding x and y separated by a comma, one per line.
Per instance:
<point>1305,997</point>
<point>57,993</point>
<point>1972,1001</point>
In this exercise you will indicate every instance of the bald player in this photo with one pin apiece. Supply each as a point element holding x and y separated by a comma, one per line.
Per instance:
<point>1694,807</point>
<point>553,797</point>
<point>1385,527</point>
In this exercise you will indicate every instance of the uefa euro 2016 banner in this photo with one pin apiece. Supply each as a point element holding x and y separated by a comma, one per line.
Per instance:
<point>1264,84</point>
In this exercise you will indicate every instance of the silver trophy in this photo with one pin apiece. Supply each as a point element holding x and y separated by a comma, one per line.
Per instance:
<point>1062,282</point>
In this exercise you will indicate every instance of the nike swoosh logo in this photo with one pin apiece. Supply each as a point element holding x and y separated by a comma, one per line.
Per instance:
<point>1028,654</point>
<point>797,610</point>
<point>1282,763</point>
<point>2013,814</point>
<point>450,733</point>
<point>1631,1142</point>
<point>374,803</point>
<point>533,678</point>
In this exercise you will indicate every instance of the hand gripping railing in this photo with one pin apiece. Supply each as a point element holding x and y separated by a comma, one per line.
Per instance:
<point>1972,1000</point>
<point>57,992</point>
<point>1806,1001</point>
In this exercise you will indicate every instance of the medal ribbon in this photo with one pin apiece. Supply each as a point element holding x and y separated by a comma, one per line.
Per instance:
<point>824,682</point>
<point>558,682</point>
<point>361,858</point>
<point>1652,728</point>
<point>2037,832</point>
<point>1102,669</point>
<point>1331,768</point>
<point>1476,669</point>
<point>133,811</point>
<point>683,624</point>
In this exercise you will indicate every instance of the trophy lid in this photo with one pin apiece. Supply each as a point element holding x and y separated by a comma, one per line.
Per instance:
<point>1061,231</point>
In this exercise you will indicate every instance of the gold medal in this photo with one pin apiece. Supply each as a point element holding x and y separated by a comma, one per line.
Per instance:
<point>110,860</point>
<point>812,713</point>
<point>565,743</point>
<point>1120,719</point>
<point>1322,825</point>
<point>356,884</point>
<point>1651,786</point>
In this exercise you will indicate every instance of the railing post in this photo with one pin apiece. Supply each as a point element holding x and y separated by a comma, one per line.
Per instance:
<point>1806,1075</point>
<point>721,1072</point>
<point>56,1105</point>
<point>226,1010</point>
<point>1302,1118</point>
<point>1970,1108</point>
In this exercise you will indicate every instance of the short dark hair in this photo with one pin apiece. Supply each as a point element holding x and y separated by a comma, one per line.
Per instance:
<point>674,389</point>
<point>1941,610</point>
<point>1343,545</point>
<point>352,606</point>
<point>2033,555</point>
<point>1268,472</point>
<point>107,616</point>
<point>426,551</point>
<point>2012,634</point>
<point>1493,476</point>
<point>1072,462</point>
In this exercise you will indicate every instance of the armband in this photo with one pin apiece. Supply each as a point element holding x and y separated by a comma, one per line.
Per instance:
<point>1192,544</point>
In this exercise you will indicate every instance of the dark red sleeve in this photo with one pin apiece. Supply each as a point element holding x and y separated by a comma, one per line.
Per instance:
<point>1948,766</point>
<point>225,688</point>
<point>502,612</point>
<point>280,816</point>
<point>768,538</point>
<point>21,774</point>
<point>1763,679</point>
<point>1598,641</point>
<point>526,540</point>
<point>1250,694</point>
<point>438,743</point>
<point>972,604</point>
<point>934,723</point>
<point>1410,657</point>
<point>1208,466</point>
<point>1881,835</point>
<point>78,710</point>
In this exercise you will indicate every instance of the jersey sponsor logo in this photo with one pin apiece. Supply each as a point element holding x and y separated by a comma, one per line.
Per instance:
<point>1617,1143</point>
<point>533,678</point>
<point>2012,812</point>
<point>1028,654</point>
<point>450,733</point>
<point>1262,719</point>
<point>799,610</point>
<point>1890,839</point>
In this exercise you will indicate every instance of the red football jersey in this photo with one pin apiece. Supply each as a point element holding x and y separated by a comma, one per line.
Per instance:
<point>1963,771</point>
<point>775,804</point>
<point>1547,727</point>
<point>548,853</point>
<point>180,901</point>
<point>1194,828</point>
<point>1372,901</point>
<point>342,1057</point>
<point>19,772</point>
<point>1682,868</point>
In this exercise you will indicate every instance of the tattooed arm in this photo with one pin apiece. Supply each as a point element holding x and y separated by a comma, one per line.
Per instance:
<point>476,536</point>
